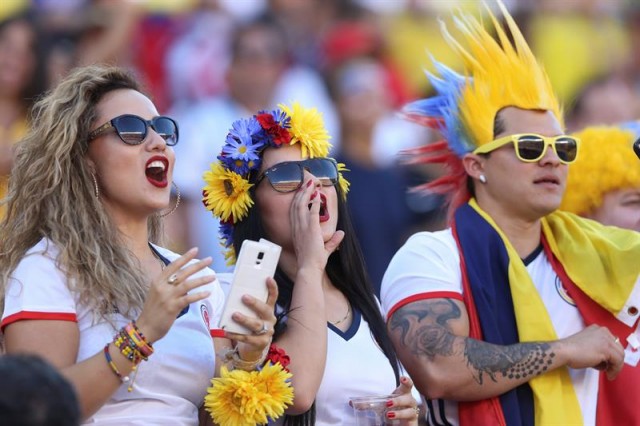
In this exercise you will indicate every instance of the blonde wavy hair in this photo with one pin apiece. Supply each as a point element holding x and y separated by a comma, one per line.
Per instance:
<point>606,163</point>
<point>52,196</point>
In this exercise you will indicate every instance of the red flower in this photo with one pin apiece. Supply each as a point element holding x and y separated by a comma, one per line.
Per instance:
<point>277,354</point>
<point>277,133</point>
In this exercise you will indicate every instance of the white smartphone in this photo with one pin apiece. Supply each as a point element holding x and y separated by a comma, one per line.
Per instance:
<point>257,261</point>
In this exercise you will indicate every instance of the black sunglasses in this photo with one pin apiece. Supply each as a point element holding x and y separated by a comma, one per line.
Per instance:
<point>289,175</point>
<point>132,129</point>
<point>636,147</point>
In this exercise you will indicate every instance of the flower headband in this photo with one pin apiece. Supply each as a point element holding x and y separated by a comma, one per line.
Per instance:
<point>226,193</point>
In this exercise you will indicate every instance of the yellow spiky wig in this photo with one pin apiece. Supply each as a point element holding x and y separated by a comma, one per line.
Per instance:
<point>498,73</point>
<point>606,163</point>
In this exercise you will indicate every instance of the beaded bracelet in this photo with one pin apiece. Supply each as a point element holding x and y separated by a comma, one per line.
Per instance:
<point>233,356</point>
<point>114,367</point>
<point>132,345</point>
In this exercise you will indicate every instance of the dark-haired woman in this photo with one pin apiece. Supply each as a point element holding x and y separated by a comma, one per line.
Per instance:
<point>274,180</point>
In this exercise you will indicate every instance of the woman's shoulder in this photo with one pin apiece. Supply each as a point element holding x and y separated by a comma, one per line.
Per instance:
<point>44,251</point>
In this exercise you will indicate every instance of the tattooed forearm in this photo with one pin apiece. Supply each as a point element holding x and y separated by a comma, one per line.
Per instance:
<point>423,327</point>
<point>523,360</point>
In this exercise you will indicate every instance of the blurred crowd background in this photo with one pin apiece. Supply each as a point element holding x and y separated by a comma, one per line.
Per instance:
<point>210,62</point>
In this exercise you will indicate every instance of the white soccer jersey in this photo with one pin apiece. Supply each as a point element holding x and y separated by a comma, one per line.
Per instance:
<point>169,387</point>
<point>428,266</point>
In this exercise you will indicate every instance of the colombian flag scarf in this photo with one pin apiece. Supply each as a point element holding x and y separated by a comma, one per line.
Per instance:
<point>599,268</point>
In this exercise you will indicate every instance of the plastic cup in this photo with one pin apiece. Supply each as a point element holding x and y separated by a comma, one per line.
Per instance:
<point>371,410</point>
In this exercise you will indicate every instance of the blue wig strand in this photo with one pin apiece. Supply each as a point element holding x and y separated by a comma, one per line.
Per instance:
<point>444,106</point>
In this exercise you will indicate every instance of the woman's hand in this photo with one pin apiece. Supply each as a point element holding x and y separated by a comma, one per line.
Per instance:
<point>251,347</point>
<point>404,406</point>
<point>168,295</point>
<point>310,247</point>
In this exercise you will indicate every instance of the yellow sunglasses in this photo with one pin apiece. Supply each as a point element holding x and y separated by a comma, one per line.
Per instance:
<point>531,147</point>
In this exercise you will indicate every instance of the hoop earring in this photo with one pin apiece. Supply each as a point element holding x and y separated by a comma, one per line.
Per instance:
<point>482,178</point>
<point>177,201</point>
<point>96,190</point>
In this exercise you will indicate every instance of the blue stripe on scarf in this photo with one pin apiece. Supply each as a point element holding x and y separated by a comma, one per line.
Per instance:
<point>487,264</point>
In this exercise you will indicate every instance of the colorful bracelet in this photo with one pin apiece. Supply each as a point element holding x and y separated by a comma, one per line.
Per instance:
<point>132,345</point>
<point>114,367</point>
<point>233,356</point>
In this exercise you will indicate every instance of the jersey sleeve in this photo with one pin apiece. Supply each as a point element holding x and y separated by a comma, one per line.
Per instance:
<point>427,266</point>
<point>37,290</point>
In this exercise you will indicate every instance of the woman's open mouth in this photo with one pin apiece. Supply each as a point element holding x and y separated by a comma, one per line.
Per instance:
<point>156,171</point>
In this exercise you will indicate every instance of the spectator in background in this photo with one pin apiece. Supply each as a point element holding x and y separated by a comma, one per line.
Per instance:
<point>578,40</point>
<point>607,100</point>
<point>604,182</point>
<point>378,197</point>
<point>204,43</point>
<point>21,81</point>
<point>33,393</point>
<point>260,75</point>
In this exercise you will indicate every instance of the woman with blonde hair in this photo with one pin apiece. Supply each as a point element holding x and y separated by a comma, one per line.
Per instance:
<point>84,283</point>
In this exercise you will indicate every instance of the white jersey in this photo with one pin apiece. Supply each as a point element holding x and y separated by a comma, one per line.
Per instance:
<point>169,387</point>
<point>356,366</point>
<point>428,266</point>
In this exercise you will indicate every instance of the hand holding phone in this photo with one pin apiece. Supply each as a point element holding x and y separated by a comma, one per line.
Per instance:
<point>256,262</point>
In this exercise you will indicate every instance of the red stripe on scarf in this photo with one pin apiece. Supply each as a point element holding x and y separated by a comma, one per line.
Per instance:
<point>485,411</point>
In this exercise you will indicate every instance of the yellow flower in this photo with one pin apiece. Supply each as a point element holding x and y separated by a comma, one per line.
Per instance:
<point>344,184</point>
<point>243,398</point>
<point>226,193</point>
<point>307,127</point>
<point>229,255</point>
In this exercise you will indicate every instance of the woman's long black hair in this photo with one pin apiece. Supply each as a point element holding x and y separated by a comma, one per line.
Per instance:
<point>346,270</point>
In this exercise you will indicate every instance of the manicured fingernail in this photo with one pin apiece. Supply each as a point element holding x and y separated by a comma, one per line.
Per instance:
<point>391,415</point>
<point>403,379</point>
<point>309,183</point>
<point>389,403</point>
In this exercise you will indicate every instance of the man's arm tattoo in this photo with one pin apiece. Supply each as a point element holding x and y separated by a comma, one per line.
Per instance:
<point>432,338</point>
<point>519,361</point>
<point>425,331</point>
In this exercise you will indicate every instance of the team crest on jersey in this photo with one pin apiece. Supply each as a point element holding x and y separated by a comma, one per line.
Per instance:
<point>205,315</point>
<point>563,293</point>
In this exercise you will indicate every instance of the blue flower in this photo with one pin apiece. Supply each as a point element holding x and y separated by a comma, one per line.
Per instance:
<point>244,141</point>
<point>226,233</point>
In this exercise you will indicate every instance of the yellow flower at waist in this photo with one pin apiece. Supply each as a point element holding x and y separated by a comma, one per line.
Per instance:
<point>248,398</point>
<point>226,193</point>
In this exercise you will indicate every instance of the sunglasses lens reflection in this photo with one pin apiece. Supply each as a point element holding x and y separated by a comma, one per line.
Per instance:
<point>131,129</point>
<point>167,129</point>
<point>530,147</point>
<point>324,169</point>
<point>567,149</point>
<point>285,177</point>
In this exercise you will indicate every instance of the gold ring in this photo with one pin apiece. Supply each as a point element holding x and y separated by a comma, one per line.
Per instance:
<point>173,279</point>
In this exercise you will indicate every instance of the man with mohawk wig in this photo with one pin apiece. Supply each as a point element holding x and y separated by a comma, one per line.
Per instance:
<point>517,314</point>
